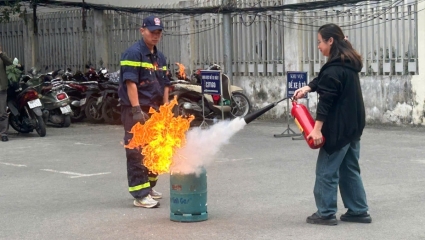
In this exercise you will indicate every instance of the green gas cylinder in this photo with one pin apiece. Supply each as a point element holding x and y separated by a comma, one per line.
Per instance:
<point>188,197</point>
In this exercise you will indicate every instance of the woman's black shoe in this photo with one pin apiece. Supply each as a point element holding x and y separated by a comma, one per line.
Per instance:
<point>4,138</point>
<point>316,219</point>
<point>361,218</point>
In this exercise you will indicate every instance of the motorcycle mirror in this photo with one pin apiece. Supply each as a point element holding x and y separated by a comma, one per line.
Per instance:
<point>215,67</point>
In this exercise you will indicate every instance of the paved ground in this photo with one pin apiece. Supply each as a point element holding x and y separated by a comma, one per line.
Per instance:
<point>72,185</point>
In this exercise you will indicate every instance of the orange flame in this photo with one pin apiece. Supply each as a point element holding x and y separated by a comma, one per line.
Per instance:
<point>181,72</point>
<point>159,137</point>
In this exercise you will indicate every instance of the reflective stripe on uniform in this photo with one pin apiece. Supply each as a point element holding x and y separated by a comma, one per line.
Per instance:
<point>131,63</point>
<point>140,64</point>
<point>147,65</point>
<point>136,64</point>
<point>138,187</point>
<point>152,179</point>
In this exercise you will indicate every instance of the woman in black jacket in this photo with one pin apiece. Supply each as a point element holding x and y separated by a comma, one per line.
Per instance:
<point>340,118</point>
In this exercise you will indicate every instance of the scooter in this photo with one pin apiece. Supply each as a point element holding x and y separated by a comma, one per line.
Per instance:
<point>93,108</point>
<point>55,101</point>
<point>78,89</point>
<point>111,108</point>
<point>24,107</point>
<point>189,96</point>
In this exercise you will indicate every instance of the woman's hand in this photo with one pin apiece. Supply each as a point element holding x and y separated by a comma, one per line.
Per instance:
<point>301,92</point>
<point>316,135</point>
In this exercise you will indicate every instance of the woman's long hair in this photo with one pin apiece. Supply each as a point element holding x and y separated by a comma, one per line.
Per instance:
<point>341,47</point>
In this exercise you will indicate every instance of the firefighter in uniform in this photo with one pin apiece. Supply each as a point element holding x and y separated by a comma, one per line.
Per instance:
<point>143,84</point>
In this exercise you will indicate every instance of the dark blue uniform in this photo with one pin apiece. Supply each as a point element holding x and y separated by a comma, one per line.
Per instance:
<point>148,70</point>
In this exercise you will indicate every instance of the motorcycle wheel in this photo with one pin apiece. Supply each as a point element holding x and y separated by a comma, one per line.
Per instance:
<point>93,112</point>
<point>40,127</point>
<point>240,105</point>
<point>15,123</point>
<point>66,121</point>
<point>178,109</point>
<point>77,112</point>
<point>111,114</point>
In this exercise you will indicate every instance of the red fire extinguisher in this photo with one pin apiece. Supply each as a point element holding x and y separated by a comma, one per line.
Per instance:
<point>305,123</point>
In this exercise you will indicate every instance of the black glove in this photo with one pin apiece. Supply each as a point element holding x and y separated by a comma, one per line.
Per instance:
<point>139,115</point>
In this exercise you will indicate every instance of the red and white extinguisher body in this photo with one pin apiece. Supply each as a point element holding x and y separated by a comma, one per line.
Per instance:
<point>305,123</point>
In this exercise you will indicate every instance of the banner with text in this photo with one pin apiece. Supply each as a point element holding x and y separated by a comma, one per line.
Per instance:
<point>294,81</point>
<point>211,81</point>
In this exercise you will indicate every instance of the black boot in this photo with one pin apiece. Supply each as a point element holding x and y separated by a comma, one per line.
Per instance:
<point>316,219</point>
<point>4,138</point>
<point>361,218</point>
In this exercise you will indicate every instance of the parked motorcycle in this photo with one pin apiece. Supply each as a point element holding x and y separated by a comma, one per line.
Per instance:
<point>189,97</point>
<point>111,108</point>
<point>85,93</point>
<point>56,103</point>
<point>24,107</point>
<point>78,89</point>
<point>103,105</point>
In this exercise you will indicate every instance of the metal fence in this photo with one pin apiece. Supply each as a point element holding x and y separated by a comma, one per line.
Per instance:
<point>12,38</point>
<point>63,42</point>
<point>384,34</point>
<point>123,30</point>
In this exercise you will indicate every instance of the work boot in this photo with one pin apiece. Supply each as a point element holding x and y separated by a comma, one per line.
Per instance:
<point>155,194</point>
<point>146,202</point>
<point>316,219</point>
<point>360,218</point>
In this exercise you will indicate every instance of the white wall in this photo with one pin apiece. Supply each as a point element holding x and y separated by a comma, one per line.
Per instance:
<point>418,82</point>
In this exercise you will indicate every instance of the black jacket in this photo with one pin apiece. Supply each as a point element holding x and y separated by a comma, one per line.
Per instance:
<point>340,106</point>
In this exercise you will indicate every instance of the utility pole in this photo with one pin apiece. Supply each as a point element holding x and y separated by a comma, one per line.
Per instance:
<point>35,46</point>
<point>84,54</point>
<point>228,45</point>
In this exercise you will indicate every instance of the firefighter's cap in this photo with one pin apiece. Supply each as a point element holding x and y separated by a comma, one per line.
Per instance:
<point>152,23</point>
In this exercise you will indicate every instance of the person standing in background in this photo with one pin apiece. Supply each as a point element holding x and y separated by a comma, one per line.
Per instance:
<point>4,83</point>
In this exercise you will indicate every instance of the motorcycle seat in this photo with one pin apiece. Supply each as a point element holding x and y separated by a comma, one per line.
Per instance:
<point>46,89</point>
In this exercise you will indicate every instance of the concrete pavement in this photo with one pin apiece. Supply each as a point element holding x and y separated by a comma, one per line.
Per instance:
<point>72,185</point>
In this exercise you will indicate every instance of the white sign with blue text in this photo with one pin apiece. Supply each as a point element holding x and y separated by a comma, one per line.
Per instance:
<point>294,81</point>
<point>211,81</point>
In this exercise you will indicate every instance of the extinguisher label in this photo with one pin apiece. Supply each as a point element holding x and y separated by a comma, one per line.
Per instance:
<point>299,126</point>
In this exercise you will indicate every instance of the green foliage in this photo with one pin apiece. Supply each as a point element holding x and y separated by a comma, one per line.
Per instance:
<point>13,74</point>
<point>11,8</point>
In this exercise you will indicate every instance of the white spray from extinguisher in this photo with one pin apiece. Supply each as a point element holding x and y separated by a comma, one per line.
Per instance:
<point>202,145</point>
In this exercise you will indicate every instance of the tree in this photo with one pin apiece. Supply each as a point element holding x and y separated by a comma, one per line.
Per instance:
<point>9,8</point>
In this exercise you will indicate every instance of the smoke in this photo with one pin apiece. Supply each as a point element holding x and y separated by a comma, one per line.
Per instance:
<point>202,145</point>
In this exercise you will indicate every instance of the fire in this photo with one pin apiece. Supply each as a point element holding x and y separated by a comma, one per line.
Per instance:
<point>181,72</point>
<point>159,137</point>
